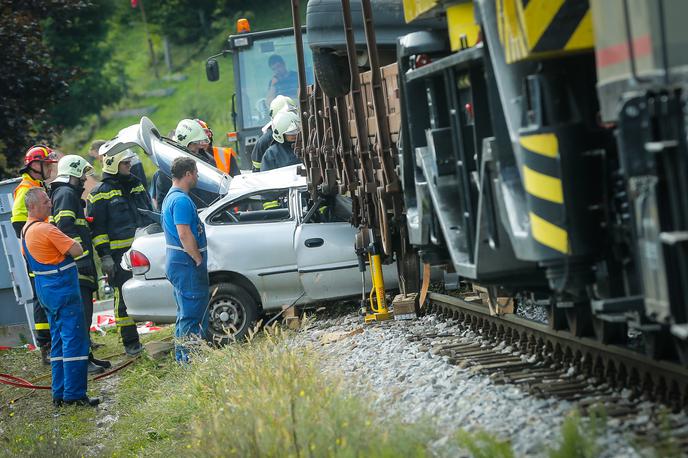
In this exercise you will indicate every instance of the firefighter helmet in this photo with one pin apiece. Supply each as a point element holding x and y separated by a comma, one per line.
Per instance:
<point>285,123</point>
<point>72,165</point>
<point>111,163</point>
<point>281,103</point>
<point>206,129</point>
<point>40,153</point>
<point>189,131</point>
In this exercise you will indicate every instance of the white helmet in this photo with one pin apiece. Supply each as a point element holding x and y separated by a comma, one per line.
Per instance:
<point>111,163</point>
<point>72,165</point>
<point>281,103</point>
<point>285,123</point>
<point>189,131</point>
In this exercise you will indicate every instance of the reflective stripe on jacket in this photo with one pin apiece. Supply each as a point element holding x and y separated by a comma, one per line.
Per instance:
<point>114,205</point>
<point>68,216</point>
<point>19,212</point>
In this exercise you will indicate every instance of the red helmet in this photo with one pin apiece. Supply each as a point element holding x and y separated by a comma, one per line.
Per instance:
<point>40,153</point>
<point>205,127</point>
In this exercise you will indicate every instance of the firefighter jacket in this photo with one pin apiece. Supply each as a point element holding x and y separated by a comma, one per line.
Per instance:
<point>259,149</point>
<point>68,216</point>
<point>279,155</point>
<point>19,212</point>
<point>114,206</point>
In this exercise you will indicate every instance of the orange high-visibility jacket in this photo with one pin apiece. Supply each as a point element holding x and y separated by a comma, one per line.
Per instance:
<point>223,158</point>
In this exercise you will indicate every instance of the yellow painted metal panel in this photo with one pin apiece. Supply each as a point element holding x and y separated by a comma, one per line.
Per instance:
<point>543,186</point>
<point>543,28</point>
<point>583,37</point>
<point>544,144</point>
<point>549,234</point>
<point>461,22</point>
<point>415,8</point>
<point>537,17</point>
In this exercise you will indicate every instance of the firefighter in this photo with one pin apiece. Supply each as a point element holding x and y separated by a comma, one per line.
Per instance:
<point>279,104</point>
<point>68,216</point>
<point>50,254</point>
<point>37,168</point>
<point>191,135</point>
<point>186,257</point>
<point>114,206</point>
<point>223,158</point>
<point>285,127</point>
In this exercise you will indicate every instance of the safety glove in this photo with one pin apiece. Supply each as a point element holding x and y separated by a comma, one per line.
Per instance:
<point>108,266</point>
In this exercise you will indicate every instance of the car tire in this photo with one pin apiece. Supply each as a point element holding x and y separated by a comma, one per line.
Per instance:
<point>232,312</point>
<point>332,72</point>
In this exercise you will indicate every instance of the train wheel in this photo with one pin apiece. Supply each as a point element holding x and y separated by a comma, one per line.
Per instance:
<point>579,318</point>
<point>659,344</point>
<point>609,332</point>
<point>332,72</point>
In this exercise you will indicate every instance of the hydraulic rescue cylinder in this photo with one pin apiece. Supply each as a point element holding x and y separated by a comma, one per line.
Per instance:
<point>379,305</point>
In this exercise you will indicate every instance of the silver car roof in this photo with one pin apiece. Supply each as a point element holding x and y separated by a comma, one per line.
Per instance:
<point>285,177</point>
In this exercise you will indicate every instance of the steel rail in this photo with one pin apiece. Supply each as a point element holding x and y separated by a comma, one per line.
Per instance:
<point>663,381</point>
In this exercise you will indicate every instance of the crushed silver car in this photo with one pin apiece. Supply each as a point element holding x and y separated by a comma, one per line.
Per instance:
<point>269,246</point>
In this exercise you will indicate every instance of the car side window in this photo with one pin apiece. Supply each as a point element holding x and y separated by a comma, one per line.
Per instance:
<point>331,209</point>
<point>260,207</point>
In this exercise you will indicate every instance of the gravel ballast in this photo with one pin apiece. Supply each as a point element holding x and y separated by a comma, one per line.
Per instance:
<point>408,380</point>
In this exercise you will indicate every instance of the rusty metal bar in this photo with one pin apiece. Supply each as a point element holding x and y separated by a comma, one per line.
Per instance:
<point>301,64</point>
<point>384,147</point>
<point>366,173</point>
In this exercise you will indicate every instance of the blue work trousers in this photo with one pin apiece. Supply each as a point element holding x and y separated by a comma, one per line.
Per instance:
<point>57,287</point>
<point>191,292</point>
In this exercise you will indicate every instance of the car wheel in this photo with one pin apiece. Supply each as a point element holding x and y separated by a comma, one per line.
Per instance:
<point>232,312</point>
<point>332,72</point>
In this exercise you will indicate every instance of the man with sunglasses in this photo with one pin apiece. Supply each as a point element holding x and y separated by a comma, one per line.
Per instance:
<point>114,205</point>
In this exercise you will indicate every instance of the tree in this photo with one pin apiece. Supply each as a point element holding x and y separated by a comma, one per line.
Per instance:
<point>183,21</point>
<point>28,83</point>
<point>77,41</point>
<point>56,70</point>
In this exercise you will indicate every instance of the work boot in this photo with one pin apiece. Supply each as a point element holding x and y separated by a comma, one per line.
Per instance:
<point>45,354</point>
<point>99,362</point>
<point>93,369</point>
<point>133,349</point>
<point>83,402</point>
<point>57,402</point>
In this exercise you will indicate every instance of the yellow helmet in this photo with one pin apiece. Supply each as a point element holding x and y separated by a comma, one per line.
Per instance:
<point>111,163</point>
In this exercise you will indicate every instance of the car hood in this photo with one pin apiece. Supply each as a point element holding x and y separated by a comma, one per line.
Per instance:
<point>162,152</point>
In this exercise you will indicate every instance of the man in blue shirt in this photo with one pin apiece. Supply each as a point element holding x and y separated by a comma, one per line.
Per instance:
<point>187,257</point>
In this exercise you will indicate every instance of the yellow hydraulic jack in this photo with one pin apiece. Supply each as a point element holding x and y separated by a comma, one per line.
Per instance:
<point>378,302</point>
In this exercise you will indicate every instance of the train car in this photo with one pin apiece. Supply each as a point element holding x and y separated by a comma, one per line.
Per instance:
<point>537,148</point>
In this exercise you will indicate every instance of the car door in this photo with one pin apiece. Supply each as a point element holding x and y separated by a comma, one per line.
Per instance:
<point>327,262</point>
<point>253,235</point>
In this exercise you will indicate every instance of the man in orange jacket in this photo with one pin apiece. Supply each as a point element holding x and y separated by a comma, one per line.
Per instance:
<point>38,167</point>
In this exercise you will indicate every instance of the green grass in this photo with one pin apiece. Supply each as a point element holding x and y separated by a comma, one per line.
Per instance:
<point>263,397</point>
<point>579,436</point>
<point>30,426</point>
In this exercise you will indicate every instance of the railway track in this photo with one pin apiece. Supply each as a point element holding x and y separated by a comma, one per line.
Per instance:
<point>626,386</point>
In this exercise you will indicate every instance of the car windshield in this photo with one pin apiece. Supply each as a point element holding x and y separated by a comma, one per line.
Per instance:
<point>268,68</point>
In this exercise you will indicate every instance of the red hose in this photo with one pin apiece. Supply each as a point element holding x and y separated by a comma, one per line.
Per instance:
<point>18,382</point>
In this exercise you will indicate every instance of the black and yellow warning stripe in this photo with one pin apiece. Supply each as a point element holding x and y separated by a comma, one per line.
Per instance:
<point>542,181</point>
<point>532,28</point>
